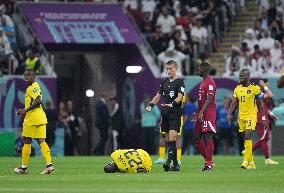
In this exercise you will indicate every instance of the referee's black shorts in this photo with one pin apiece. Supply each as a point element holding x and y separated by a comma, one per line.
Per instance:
<point>171,119</point>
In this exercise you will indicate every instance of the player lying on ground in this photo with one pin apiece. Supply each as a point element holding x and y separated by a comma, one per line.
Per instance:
<point>129,161</point>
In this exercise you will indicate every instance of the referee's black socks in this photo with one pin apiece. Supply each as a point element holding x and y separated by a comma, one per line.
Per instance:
<point>172,153</point>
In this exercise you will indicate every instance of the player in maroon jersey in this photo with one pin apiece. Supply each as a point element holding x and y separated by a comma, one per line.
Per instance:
<point>264,134</point>
<point>206,116</point>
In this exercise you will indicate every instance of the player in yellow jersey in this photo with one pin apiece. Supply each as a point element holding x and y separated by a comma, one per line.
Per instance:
<point>280,82</point>
<point>246,94</point>
<point>129,161</point>
<point>34,125</point>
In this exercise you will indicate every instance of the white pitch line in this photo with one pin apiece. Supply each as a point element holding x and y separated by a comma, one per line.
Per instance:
<point>87,190</point>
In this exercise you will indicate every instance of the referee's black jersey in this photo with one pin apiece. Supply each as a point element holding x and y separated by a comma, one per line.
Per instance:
<point>169,90</point>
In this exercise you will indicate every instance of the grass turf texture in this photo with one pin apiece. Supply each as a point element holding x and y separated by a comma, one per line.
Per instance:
<point>85,174</point>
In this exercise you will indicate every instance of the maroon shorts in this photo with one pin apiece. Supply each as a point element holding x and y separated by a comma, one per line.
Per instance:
<point>260,131</point>
<point>205,127</point>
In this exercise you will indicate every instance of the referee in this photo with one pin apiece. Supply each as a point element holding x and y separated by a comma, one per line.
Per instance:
<point>172,91</point>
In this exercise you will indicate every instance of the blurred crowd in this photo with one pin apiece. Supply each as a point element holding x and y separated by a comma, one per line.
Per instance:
<point>262,49</point>
<point>180,29</point>
<point>15,58</point>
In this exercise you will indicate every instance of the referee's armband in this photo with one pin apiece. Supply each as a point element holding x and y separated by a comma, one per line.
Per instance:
<point>259,96</point>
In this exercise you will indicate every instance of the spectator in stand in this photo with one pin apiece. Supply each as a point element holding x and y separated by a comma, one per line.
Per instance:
<point>264,4</point>
<point>177,8</point>
<point>275,53</point>
<point>148,6</point>
<point>245,50</point>
<point>249,63</point>
<point>185,20</point>
<point>8,19</point>
<point>6,56</point>
<point>266,42</point>
<point>130,4</point>
<point>199,33</point>
<point>264,20</point>
<point>159,41</point>
<point>275,30</point>
<point>280,65</point>
<point>166,21</point>
<point>234,62</point>
<point>9,32</point>
<point>250,38</point>
<point>180,44</point>
<point>171,54</point>
<point>263,68</point>
<point>257,29</point>
<point>33,62</point>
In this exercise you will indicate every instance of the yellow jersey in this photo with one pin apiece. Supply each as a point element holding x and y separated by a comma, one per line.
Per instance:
<point>35,116</point>
<point>247,101</point>
<point>130,160</point>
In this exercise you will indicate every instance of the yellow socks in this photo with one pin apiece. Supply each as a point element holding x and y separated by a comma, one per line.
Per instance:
<point>26,152</point>
<point>46,152</point>
<point>162,152</point>
<point>179,154</point>
<point>248,151</point>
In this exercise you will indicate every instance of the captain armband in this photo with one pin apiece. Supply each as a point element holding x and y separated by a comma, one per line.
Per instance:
<point>259,96</point>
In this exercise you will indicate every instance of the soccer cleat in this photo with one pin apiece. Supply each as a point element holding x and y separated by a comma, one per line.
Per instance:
<point>179,162</point>
<point>244,164</point>
<point>251,166</point>
<point>271,162</point>
<point>159,161</point>
<point>166,167</point>
<point>21,170</point>
<point>204,168</point>
<point>207,168</point>
<point>49,169</point>
<point>175,168</point>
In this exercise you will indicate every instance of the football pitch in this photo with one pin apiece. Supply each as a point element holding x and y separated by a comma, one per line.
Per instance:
<point>85,174</point>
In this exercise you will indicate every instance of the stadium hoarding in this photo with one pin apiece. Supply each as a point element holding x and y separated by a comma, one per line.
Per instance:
<point>76,23</point>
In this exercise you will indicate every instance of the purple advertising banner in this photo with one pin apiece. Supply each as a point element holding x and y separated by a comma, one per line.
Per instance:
<point>80,23</point>
<point>12,97</point>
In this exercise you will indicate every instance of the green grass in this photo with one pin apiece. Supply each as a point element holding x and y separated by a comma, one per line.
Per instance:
<point>85,174</point>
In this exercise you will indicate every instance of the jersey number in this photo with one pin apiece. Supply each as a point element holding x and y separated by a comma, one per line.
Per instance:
<point>248,123</point>
<point>243,99</point>
<point>132,162</point>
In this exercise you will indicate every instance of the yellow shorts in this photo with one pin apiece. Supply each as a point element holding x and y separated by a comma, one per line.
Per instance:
<point>246,124</point>
<point>34,131</point>
<point>180,129</point>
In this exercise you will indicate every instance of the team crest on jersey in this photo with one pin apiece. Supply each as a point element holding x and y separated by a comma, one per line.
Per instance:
<point>172,94</point>
<point>34,90</point>
<point>248,91</point>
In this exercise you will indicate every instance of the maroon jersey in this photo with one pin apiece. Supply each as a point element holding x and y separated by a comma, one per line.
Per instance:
<point>265,104</point>
<point>207,87</point>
